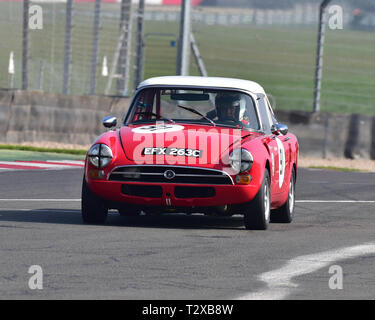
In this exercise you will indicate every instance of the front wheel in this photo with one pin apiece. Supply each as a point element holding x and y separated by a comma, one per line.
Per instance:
<point>257,212</point>
<point>94,209</point>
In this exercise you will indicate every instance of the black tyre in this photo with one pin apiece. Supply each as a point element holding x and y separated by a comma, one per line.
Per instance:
<point>94,209</point>
<point>257,212</point>
<point>285,213</point>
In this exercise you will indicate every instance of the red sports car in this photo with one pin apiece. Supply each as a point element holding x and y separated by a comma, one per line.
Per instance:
<point>194,145</point>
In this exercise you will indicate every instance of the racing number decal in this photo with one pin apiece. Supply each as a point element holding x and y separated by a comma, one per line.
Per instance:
<point>281,161</point>
<point>158,128</point>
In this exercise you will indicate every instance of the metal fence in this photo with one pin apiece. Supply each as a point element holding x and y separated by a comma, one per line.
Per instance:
<point>60,51</point>
<point>276,48</point>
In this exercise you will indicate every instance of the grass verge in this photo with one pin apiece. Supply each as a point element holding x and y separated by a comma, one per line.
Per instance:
<point>342,169</point>
<point>40,149</point>
<point>337,164</point>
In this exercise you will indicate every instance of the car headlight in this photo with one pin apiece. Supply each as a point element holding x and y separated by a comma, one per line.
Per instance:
<point>100,155</point>
<point>241,160</point>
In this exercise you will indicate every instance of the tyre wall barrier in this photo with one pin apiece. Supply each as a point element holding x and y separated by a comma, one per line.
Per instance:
<point>326,134</point>
<point>27,116</point>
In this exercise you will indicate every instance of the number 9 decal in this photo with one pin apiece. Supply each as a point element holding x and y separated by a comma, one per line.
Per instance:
<point>281,161</point>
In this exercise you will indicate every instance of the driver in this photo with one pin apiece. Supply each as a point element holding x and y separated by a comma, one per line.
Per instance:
<point>227,107</point>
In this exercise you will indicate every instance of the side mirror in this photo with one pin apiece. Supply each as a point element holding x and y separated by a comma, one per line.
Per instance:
<point>279,128</point>
<point>109,122</point>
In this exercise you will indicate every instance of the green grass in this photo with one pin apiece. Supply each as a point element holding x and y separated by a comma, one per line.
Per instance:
<point>341,169</point>
<point>280,58</point>
<point>13,155</point>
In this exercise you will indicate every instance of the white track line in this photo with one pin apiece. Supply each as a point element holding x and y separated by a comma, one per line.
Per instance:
<point>297,201</point>
<point>279,282</point>
<point>39,210</point>
<point>335,201</point>
<point>42,200</point>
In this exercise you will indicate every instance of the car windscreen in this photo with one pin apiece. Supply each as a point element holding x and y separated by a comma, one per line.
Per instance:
<point>209,107</point>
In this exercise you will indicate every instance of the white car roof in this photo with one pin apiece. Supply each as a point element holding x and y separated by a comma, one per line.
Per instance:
<point>216,82</point>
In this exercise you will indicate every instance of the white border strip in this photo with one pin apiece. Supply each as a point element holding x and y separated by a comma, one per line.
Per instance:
<point>42,200</point>
<point>297,201</point>
<point>33,164</point>
<point>335,201</point>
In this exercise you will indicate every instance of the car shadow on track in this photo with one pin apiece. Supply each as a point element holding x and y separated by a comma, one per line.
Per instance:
<point>179,221</point>
<point>167,221</point>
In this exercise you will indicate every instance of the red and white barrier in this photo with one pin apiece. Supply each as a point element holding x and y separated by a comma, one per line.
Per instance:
<point>38,165</point>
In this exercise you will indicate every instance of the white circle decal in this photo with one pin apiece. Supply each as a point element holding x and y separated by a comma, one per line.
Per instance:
<point>158,128</point>
<point>281,161</point>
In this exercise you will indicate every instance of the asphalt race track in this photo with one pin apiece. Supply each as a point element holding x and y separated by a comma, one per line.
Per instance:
<point>186,257</point>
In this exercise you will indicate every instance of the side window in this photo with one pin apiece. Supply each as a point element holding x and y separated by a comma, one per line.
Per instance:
<point>264,115</point>
<point>142,106</point>
<point>249,114</point>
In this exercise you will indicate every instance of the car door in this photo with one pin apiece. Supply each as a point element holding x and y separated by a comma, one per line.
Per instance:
<point>275,147</point>
<point>284,150</point>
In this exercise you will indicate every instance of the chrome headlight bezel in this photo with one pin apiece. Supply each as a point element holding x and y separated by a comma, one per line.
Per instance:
<point>241,160</point>
<point>100,155</point>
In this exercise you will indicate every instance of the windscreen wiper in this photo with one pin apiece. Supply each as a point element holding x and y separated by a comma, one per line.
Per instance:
<point>198,113</point>
<point>156,115</point>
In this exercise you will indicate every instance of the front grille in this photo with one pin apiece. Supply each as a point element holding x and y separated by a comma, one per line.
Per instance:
<point>157,174</point>
<point>142,190</point>
<point>194,192</point>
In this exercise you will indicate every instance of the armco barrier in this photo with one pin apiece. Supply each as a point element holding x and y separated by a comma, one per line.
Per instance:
<point>45,117</point>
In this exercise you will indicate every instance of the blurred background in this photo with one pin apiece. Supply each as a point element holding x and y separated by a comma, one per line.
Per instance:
<point>272,42</point>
